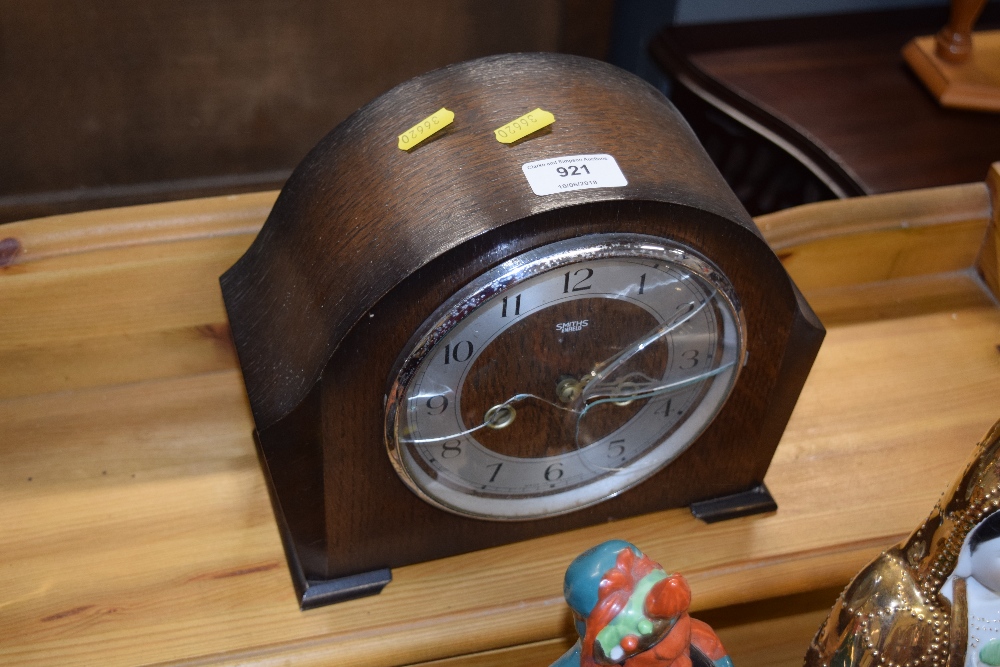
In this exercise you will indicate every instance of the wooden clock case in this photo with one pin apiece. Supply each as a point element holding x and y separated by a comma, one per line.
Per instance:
<point>366,240</point>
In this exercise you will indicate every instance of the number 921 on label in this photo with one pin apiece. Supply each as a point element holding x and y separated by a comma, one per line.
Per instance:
<point>573,172</point>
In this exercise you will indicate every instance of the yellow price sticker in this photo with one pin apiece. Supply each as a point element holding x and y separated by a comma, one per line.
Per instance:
<point>425,129</point>
<point>527,124</point>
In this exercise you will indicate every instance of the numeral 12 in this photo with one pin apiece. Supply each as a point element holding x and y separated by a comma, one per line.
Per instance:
<point>578,286</point>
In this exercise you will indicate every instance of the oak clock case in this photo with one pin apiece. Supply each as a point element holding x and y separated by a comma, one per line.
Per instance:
<point>610,351</point>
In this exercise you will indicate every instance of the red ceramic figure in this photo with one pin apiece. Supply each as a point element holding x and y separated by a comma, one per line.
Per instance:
<point>630,612</point>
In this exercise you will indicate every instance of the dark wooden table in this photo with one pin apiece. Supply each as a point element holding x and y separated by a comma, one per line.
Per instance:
<point>831,94</point>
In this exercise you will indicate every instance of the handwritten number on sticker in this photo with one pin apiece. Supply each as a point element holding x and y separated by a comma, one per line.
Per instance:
<point>425,129</point>
<point>521,127</point>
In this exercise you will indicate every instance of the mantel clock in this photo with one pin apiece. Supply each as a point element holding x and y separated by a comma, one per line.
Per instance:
<point>507,298</point>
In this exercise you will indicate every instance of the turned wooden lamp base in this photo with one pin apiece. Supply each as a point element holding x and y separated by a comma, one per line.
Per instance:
<point>972,84</point>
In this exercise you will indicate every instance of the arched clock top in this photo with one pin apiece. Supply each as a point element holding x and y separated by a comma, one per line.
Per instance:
<point>382,212</point>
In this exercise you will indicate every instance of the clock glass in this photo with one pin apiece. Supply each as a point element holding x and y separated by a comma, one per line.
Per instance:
<point>564,376</point>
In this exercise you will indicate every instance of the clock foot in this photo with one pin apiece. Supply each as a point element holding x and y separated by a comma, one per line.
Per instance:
<point>757,500</point>
<point>320,593</point>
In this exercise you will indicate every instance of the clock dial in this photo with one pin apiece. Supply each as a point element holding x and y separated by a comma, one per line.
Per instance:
<point>564,376</point>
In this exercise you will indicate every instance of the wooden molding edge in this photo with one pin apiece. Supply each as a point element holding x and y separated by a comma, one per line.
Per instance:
<point>919,55</point>
<point>103,229</point>
<point>895,210</point>
<point>988,262</point>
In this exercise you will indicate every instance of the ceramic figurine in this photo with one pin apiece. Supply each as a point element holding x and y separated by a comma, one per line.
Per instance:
<point>975,586</point>
<point>933,599</point>
<point>628,611</point>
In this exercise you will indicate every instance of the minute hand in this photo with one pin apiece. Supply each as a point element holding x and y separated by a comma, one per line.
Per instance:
<point>605,368</point>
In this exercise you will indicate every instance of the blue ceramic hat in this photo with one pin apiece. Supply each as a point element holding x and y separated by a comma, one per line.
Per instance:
<point>585,573</point>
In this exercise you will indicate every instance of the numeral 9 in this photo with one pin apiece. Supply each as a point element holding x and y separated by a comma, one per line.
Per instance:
<point>437,405</point>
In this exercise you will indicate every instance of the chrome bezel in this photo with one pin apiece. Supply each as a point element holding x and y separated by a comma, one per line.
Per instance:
<point>483,289</point>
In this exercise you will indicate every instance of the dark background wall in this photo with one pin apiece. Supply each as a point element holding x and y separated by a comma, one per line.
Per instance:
<point>112,102</point>
<point>107,102</point>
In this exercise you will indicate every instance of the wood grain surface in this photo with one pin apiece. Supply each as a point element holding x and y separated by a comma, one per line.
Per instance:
<point>835,92</point>
<point>137,529</point>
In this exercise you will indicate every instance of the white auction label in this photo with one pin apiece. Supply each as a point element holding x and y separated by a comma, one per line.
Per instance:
<point>573,172</point>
